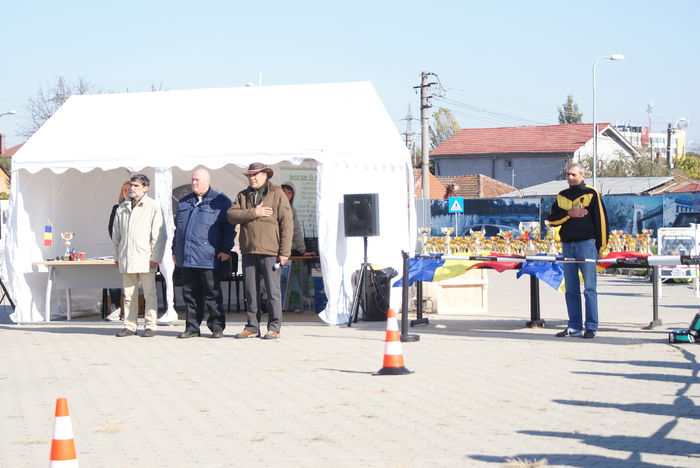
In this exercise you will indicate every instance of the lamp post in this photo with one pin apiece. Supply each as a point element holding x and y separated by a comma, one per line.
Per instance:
<point>12,112</point>
<point>595,127</point>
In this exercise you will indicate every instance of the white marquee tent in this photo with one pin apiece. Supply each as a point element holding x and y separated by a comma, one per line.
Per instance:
<point>70,171</point>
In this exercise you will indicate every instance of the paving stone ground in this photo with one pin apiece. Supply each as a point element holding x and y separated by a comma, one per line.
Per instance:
<point>485,391</point>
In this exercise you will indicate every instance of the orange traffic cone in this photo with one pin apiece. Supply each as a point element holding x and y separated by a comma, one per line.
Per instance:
<point>393,355</point>
<point>62,445</point>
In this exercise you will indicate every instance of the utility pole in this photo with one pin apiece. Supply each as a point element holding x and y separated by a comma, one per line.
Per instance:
<point>669,132</point>
<point>650,110</point>
<point>425,134</point>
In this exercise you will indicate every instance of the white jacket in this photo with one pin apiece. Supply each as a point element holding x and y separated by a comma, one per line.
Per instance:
<point>138,235</point>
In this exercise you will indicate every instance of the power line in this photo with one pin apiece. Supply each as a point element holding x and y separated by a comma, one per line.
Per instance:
<point>483,114</point>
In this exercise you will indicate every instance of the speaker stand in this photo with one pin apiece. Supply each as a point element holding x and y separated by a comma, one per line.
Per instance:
<point>6,294</point>
<point>367,273</point>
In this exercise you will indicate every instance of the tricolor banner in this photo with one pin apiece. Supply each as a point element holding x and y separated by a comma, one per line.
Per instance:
<point>48,234</point>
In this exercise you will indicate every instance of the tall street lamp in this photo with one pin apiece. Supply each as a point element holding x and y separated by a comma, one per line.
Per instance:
<point>12,112</point>
<point>595,127</point>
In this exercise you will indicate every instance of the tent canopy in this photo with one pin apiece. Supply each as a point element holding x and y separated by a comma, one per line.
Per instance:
<point>70,171</point>
<point>215,127</point>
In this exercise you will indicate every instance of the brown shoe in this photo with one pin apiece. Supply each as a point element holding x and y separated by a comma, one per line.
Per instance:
<point>246,334</point>
<point>271,335</point>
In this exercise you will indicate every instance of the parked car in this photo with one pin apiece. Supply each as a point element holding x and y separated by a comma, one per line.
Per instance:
<point>685,219</point>
<point>490,229</point>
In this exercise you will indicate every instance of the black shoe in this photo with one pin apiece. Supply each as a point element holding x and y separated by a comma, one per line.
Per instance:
<point>148,333</point>
<point>124,332</point>
<point>589,334</point>
<point>569,332</point>
<point>188,334</point>
<point>217,334</point>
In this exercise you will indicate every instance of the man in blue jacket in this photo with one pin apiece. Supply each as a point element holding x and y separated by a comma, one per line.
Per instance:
<point>202,242</point>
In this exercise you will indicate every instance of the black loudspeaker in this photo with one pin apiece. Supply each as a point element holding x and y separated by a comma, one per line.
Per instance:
<point>361,214</point>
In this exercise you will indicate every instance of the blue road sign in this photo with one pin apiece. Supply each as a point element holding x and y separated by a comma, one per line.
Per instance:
<point>455,204</point>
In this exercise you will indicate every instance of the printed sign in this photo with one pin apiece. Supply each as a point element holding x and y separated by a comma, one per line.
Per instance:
<point>455,204</point>
<point>304,181</point>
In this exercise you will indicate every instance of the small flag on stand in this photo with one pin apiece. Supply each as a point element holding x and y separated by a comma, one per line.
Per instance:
<point>48,234</point>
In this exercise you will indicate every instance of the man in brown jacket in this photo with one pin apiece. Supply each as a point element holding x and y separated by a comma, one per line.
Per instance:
<point>265,238</point>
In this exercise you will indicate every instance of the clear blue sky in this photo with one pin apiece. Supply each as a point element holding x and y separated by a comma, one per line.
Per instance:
<point>514,62</point>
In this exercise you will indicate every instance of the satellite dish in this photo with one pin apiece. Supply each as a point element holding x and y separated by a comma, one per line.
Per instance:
<point>682,123</point>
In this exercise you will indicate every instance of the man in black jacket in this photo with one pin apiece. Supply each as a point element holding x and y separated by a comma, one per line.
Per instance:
<point>581,214</point>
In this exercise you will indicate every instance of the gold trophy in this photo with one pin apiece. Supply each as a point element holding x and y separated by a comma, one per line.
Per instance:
<point>67,236</point>
<point>508,239</point>
<point>448,239</point>
<point>529,229</point>
<point>551,238</point>
<point>424,236</point>
<point>478,238</point>
<point>616,240</point>
<point>646,240</point>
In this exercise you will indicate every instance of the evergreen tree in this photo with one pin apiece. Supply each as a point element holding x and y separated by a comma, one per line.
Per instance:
<point>569,113</point>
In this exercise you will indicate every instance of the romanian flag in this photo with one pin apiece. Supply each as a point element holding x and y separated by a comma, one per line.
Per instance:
<point>48,235</point>
<point>548,272</point>
<point>437,269</point>
<point>619,255</point>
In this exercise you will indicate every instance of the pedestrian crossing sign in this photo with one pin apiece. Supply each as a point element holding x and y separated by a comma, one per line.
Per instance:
<point>455,204</point>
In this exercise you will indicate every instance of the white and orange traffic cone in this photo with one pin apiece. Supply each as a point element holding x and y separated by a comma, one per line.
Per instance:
<point>62,445</point>
<point>393,355</point>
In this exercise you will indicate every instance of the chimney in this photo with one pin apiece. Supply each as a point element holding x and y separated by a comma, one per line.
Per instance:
<point>2,143</point>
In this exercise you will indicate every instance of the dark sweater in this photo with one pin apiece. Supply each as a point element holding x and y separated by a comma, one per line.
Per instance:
<point>592,226</point>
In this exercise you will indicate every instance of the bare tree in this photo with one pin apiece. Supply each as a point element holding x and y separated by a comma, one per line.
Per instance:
<point>48,99</point>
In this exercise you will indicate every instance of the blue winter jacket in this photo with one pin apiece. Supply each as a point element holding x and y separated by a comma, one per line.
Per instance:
<point>201,232</point>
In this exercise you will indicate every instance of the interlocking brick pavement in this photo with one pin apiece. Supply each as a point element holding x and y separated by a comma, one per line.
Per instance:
<point>485,390</point>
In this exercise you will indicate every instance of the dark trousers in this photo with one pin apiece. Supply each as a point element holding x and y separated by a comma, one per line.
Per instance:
<point>201,291</point>
<point>257,269</point>
<point>115,297</point>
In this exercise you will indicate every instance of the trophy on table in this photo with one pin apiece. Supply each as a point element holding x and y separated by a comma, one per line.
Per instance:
<point>615,241</point>
<point>529,229</point>
<point>448,238</point>
<point>67,236</point>
<point>646,240</point>
<point>551,238</point>
<point>424,236</point>
<point>508,239</point>
<point>478,238</point>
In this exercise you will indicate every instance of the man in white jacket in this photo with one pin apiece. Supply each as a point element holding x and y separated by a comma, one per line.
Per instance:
<point>139,243</point>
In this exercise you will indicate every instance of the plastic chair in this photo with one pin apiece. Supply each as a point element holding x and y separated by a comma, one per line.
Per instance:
<point>235,277</point>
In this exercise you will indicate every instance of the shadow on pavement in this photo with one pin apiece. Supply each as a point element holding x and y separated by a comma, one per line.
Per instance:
<point>682,407</point>
<point>79,330</point>
<point>563,459</point>
<point>658,443</point>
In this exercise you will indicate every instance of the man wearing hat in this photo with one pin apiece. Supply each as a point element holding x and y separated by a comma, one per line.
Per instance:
<point>265,239</point>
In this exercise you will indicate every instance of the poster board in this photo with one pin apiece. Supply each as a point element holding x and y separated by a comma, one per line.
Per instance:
<point>304,181</point>
<point>677,241</point>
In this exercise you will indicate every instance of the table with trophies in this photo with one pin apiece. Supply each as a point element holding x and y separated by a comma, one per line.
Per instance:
<point>73,270</point>
<point>516,249</point>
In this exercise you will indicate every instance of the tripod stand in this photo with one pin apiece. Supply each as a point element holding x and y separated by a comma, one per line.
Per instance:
<point>367,273</point>
<point>6,294</point>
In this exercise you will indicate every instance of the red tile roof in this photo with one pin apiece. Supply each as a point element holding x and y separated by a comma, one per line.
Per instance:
<point>687,188</point>
<point>436,189</point>
<point>11,151</point>
<point>541,139</point>
<point>479,186</point>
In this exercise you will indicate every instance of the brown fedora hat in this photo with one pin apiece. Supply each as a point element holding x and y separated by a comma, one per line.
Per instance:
<point>258,167</point>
